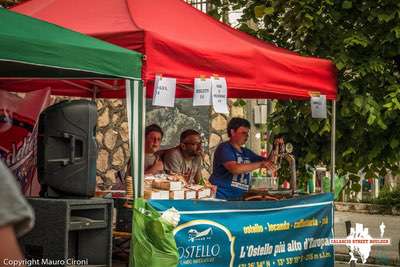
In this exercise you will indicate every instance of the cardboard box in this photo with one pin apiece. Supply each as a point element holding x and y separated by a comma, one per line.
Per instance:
<point>151,194</point>
<point>177,194</point>
<point>164,194</point>
<point>195,187</point>
<point>201,191</point>
<point>204,193</point>
<point>190,194</point>
<point>167,185</point>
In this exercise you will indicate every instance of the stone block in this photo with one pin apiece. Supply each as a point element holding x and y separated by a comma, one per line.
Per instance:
<point>99,138</point>
<point>118,158</point>
<point>110,177</point>
<point>116,103</point>
<point>237,112</point>
<point>104,119</point>
<point>125,147</point>
<point>115,118</point>
<point>219,123</point>
<point>99,104</point>
<point>124,132</point>
<point>102,160</point>
<point>214,140</point>
<point>110,138</point>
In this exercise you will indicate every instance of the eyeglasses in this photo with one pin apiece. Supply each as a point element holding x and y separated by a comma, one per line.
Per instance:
<point>194,144</point>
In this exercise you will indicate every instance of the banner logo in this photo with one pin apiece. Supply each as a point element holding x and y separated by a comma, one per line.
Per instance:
<point>196,235</point>
<point>204,242</point>
<point>359,242</point>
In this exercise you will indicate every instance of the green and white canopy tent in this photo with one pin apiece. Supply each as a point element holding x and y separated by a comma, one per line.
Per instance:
<point>33,48</point>
<point>71,64</point>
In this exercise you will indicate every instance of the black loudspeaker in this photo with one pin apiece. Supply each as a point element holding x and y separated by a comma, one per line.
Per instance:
<point>67,149</point>
<point>70,232</point>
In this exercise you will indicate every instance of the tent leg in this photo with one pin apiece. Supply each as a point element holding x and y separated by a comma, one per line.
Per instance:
<point>139,111</point>
<point>333,144</point>
<point>136,106</point>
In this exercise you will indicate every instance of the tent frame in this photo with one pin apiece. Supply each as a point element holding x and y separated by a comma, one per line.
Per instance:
<point>333,145</point>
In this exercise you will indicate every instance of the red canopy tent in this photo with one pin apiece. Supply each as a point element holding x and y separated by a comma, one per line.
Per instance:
<point>181,42</point>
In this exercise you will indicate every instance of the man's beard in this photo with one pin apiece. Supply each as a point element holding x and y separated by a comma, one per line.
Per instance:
<point>193,153</point>
<point>153,150</point>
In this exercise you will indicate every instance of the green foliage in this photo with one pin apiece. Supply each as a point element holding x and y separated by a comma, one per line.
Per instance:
<point>356,187</point>
<point>362,39</point>
<point>389,197</point>
<point>354,178</point>
<point>239,103</point>
<point>284,172</point>
<point>8,3</point>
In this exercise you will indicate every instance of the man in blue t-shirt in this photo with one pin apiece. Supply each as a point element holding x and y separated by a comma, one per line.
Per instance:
<point>233,163</point>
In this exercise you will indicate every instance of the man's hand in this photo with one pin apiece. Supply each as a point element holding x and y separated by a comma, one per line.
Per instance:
<point>279,141</point>
<point>211,186</point>
<point>158,165</point>
<point>269,165</point>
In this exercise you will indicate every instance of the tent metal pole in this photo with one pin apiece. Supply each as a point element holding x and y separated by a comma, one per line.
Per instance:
<point>141,119</point>
<point>333,144</point>
<point>129,109</point>
<point>136,107</point>
<point>136,110</point>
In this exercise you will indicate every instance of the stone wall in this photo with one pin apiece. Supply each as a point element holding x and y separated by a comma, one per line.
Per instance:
<point>175,120</point>
<point>113,141</point>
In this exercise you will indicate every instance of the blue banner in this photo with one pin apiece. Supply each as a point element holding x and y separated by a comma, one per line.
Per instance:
<point>292,232</point>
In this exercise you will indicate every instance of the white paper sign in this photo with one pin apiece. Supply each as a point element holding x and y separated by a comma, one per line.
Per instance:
<point>202,92</point>
<point>318,107</point>
<point>219,94</point>
<point>164,92</point>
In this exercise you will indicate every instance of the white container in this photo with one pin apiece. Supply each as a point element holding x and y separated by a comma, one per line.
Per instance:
<point>272,183</point>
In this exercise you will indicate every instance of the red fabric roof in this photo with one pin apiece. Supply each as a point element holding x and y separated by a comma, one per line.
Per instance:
<point>182,42</point>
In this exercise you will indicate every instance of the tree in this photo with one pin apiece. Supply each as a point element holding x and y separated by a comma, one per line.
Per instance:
<point>363,40</point>
<point>8,3</point>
